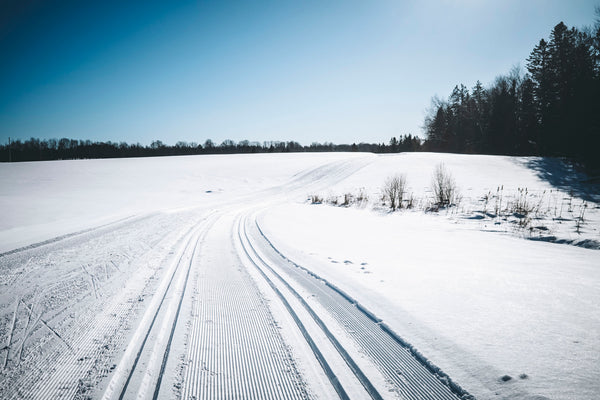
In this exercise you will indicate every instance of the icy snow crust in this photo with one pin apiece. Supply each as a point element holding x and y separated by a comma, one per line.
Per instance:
<point>118,274</point>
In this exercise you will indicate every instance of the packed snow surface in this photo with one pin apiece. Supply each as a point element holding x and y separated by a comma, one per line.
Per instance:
<point>500,290</point>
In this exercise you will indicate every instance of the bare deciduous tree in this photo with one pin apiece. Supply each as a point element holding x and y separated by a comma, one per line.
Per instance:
<point>394,189</point>
<point>444,187</point>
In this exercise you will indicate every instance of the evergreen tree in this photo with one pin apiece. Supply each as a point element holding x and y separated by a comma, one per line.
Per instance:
<point>528,125</point>
<point>553,110</point>
<point>538,65</point>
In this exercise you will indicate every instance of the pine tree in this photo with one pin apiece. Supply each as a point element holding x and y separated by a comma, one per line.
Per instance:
<point>528,125</point>
<point>480,118</point>
<point>393,145</point>
<point>538,65</point>
<point>436,126</point>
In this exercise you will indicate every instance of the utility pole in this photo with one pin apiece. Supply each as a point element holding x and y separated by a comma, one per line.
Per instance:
<point>9,146</point>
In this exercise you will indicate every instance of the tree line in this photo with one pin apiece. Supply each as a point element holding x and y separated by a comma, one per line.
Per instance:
<point>553,109</point>
<point>64,149</point>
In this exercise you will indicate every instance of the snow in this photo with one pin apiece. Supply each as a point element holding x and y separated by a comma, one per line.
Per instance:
<point>555,193</point>
<point>465,286</point>
<point>42,200</point>
<point>479,305</point>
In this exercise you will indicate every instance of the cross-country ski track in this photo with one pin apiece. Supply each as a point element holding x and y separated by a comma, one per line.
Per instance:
<point>230,318</point>
<point>197,303</point>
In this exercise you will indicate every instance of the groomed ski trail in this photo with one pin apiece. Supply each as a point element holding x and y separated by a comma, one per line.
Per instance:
<point>235,348</point>
<point>405,371</point>
<point>69,324</point>
<point>139,373</point>
<point>344,375</point>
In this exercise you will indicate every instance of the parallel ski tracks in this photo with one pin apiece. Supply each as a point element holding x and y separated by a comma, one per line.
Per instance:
<point>396,361</point>
<point>247,248</point>
<point>234,346</point>
<point>235,349</point>
<point>276,282</point>
<point>71,365</point>
<point>153,338</point>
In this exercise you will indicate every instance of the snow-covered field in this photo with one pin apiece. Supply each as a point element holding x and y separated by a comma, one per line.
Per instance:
<point>42,200</point>
<point>107,263</point>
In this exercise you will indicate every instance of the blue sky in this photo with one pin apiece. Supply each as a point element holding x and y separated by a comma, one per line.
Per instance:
<point>337,71</point>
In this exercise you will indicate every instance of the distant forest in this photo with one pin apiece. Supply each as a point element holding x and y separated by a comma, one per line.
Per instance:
<point>65,149</point>
<point>551,110</point>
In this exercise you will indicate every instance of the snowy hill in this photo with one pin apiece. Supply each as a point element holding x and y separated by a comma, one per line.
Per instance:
<point>500,290</point>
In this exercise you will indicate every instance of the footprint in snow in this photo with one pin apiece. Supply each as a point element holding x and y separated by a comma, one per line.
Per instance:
<point>348,262</point>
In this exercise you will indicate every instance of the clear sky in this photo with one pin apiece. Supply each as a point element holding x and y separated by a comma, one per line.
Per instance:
<point>339,71</point>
